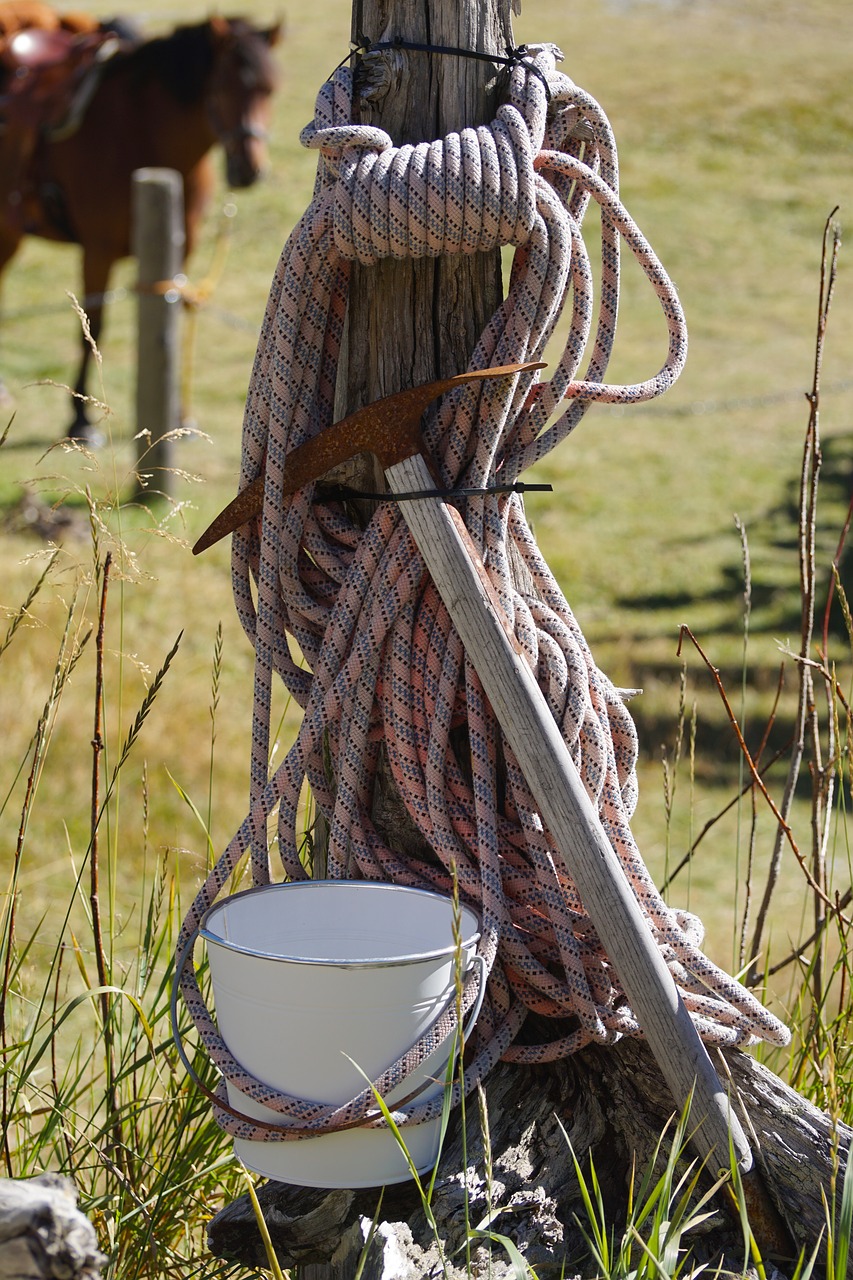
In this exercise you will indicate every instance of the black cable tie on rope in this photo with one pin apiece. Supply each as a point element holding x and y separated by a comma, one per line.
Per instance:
<point>513,55</point>
<point>343,493</point>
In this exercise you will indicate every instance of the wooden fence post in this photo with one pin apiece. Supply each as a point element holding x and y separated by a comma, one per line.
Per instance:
<point>158,245</point>
<point>414,321</point>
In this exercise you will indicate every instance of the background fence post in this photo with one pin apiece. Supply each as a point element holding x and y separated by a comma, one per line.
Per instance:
<point>158,245</point>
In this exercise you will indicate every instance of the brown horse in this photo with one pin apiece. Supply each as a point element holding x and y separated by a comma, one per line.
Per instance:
<point>164,102</point>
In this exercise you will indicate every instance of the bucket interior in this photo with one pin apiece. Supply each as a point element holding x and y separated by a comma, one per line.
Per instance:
<point>339,922</point>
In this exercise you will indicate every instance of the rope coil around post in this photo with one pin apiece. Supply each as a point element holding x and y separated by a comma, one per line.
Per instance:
<point>382,668</point>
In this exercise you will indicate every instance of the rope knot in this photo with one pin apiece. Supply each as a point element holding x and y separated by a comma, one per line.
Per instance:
<point>469,192</point>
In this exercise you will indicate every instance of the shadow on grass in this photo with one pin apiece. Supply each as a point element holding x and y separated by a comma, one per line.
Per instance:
<point>774,549</point>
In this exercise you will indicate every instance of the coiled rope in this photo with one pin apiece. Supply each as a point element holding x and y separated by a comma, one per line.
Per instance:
<point>382,671</point>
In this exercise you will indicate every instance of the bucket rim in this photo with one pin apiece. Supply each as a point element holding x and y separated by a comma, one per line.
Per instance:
<point>469,939</point>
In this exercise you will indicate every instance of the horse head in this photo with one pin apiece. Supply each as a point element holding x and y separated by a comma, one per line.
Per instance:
<point>242,81</point>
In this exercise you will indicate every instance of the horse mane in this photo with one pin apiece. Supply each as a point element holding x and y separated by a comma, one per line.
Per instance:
<point>182,60</point>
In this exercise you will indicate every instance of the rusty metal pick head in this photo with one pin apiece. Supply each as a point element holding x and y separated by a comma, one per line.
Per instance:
<point>390,428</point>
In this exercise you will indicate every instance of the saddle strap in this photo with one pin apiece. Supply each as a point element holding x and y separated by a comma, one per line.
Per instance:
<point>83,92</point>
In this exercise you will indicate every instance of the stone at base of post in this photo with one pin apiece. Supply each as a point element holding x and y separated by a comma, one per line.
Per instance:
<point>42,1232</point>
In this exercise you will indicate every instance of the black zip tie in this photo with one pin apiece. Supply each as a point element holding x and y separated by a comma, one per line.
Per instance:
<point>415,46</point>
<point>343,493</point>
<point>518,54</point>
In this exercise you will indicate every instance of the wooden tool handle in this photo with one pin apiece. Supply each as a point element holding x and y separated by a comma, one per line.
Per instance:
<point>530,729</point>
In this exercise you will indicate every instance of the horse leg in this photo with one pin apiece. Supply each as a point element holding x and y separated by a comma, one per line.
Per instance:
<point>9,241</point>
<point>96,274</point>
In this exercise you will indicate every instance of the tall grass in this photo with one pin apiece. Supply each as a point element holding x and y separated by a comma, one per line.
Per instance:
<point>814,765</point>
<point>89,1080</point>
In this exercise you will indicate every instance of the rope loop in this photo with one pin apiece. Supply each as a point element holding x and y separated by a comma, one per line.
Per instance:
<point>467,193</point>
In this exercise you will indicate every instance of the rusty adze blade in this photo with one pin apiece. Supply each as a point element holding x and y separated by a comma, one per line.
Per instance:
<point>389,427</point>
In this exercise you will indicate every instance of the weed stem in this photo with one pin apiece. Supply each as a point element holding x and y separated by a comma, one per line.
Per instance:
<point>111,1095</point>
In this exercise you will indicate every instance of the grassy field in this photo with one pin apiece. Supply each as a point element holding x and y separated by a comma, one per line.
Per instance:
<point>735,146</point>
<point>735,138</point>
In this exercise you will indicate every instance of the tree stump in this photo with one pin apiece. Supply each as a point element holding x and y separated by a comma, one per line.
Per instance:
<point>613,1107</point>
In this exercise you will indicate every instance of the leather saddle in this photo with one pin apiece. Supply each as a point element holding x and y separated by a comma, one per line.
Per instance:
<point>47,78</point>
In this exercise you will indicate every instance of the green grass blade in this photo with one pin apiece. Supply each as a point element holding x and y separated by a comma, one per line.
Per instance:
<point>272,1259</point>
<point>519,1268</point>
<point>844,1226</point>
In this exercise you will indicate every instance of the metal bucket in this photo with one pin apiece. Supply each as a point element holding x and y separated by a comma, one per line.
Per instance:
<point>311,974</point>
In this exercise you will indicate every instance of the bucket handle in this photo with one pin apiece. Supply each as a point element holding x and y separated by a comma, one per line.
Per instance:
<point>185,953</point>
<point>477,961</point>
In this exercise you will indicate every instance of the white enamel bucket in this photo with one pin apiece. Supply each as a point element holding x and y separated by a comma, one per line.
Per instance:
<point>308,975</point>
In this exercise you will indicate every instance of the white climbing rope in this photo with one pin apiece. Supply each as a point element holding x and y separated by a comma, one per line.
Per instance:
<point>381,667</point>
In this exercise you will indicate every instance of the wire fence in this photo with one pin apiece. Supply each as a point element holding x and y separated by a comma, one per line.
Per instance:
<point>693,409</point>
<point>121,294</point>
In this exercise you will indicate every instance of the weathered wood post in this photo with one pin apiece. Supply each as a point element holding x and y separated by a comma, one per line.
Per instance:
<point>414,321</point>
<point>158,245</point>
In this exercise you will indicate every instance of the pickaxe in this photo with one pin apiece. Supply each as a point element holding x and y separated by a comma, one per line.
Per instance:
<point>390,428</point>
